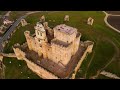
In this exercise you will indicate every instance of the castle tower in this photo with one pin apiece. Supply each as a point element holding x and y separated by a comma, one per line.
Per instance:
<point>40,33</point>
<point>28,39</point>
<point>65,43</point>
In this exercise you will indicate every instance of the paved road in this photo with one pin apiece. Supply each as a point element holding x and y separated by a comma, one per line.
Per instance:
<point>12,28</point>
<point>8,33</point>
<point>1,47</point>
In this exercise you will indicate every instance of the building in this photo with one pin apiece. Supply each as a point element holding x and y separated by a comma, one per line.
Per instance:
<point>53,53</point>
<point>61,48</point>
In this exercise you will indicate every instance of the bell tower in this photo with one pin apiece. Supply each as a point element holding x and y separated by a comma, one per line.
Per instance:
<point>40,33</point>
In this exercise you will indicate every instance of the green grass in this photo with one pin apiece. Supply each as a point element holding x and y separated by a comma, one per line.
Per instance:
<point>99,33</point>
<point>13,70</point>
<point>2,12</point>
<point>104,52</point>
<point>114,67</point>
<point>16,14</point>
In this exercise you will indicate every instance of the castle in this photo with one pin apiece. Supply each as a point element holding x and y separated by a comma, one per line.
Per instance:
<point>60,49</point>
<point>53,53</point>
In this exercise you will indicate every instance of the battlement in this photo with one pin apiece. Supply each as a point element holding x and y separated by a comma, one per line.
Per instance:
<point>65,29</point>
<point>39,26</point>
<point>88,43</point>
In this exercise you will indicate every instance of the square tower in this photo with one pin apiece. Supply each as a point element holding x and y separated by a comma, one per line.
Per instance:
<point>65,33</point>
<point>65,43</point>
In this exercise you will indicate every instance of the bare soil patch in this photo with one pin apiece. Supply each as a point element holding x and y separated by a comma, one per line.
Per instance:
<point>114,21</point>
<point>113,12</point>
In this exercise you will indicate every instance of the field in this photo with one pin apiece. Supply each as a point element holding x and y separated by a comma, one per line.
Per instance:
<point>18,70</point>
<point>16,14</point>
<point>105,52</point>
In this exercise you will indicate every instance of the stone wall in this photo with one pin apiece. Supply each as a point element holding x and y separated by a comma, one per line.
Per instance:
<point>47,50</point>
<point>28,39</point>
<point>34,67</point>
<point>1,57</point>
<point>33,43</point>
<point>89,47</point>
<point>39,70</point>
<point>75,44</point>
<point>19,54</point>
<point>61,53</point>
<point>2,70</point>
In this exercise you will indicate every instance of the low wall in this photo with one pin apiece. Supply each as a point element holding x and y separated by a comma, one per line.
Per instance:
<point>80,62</point>
<point>8,55</point>
<point>39,70</point>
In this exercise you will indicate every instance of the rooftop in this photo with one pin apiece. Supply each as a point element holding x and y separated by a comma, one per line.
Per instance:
<point>66,29</point>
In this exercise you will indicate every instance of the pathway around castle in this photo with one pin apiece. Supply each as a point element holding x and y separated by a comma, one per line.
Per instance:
<point>12,28</point>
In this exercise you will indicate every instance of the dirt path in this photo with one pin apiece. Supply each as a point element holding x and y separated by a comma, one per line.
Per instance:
<point>110,75</point>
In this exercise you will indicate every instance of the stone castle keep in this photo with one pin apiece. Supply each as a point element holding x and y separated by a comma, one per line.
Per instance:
<point>53,53</point>
<point>61,48</point>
